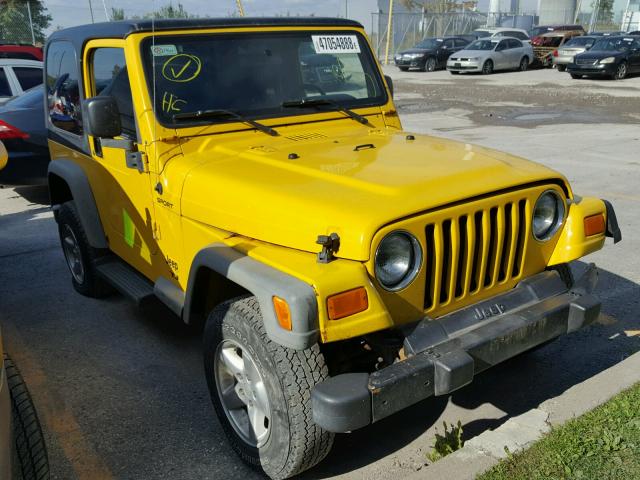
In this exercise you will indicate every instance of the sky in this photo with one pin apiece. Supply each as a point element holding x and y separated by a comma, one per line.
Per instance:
<point>65,15</point>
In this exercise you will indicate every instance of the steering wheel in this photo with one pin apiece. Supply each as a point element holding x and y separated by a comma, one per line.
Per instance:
<point>312,86</point>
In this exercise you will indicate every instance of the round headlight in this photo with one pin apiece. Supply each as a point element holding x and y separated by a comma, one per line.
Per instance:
<point>548,215</point>
<point>398,260</point>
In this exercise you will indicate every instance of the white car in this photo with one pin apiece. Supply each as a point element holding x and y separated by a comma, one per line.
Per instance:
<point>487,55</point>
<point>17,76</point>
<point>488,32</point>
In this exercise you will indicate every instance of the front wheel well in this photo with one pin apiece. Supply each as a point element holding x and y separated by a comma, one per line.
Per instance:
<point>59,191</point>
<point>209,290</point>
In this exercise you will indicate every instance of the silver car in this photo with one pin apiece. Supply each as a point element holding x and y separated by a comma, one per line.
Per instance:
<point>487,55</point>
<point>569,50</point>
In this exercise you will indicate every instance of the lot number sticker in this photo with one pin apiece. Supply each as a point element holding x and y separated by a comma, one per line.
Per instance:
<point>164,50</point>
<point>335,43</point>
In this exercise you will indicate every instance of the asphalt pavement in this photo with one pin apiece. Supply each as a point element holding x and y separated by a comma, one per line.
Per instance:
<point>121,391</point>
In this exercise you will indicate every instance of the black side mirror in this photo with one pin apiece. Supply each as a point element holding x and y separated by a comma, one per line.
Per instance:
<point>103,117</point>
<point>389,81</point>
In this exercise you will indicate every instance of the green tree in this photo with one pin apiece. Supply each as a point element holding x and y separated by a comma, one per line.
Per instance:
<point>117,14</point>
<point>169,11</point>
<point>14,20</point>
<point>605,10</point>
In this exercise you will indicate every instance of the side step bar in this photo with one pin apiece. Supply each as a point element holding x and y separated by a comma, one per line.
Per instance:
<point>125,279</point>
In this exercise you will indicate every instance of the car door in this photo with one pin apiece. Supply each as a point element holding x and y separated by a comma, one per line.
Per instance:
<point>124,192</point>
<point>634,56</point>
<point>501,55</point>
<point>515,53</point>
<point>446,50</point>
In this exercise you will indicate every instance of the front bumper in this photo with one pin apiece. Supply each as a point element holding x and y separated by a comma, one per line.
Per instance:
<point>606,69</point>
<point>6,443</point>
<point>464,66</point>
<point>444,355</point>
<point>410,62</point>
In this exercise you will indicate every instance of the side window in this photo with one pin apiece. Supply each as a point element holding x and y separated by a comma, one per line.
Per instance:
<point>28,76</point>
<point>110,77</point>
<point>5,89</point>
<point>515,44</point>
<point>449,43</point>
<point>502,46</point>
<point>460,42</point>
<point>63,92</point>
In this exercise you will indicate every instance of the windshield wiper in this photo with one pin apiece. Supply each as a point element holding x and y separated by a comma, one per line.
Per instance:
<point>321,102</point>
<point>218,113</point>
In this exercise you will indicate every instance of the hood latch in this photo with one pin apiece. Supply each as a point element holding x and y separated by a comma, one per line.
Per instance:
<point>330,245</point>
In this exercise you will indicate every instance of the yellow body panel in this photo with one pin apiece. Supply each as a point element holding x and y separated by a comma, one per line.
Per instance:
<point>230,183</point>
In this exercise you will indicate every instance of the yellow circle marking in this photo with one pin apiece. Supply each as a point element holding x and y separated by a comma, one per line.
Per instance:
<point>182,68</point>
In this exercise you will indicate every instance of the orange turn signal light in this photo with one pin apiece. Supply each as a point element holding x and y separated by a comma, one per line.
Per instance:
<point>283,314</point>
<point>347,303</point>
<point>594,225</point>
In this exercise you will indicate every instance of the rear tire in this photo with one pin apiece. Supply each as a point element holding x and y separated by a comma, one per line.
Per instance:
<point>403,69</point>
<point>30,459</point>
<point>235,335</point>
<point>487,68</point>
<point>576,77</point>
<point>79,254</point>
<point>561,68</point>
<point>524,64</point>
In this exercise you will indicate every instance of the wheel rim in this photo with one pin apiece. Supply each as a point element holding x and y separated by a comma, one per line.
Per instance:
<point>72,253</point>
<point>242,393</point>
<point>622,71</point>
<point>431,65</point>
<point>488,67</point>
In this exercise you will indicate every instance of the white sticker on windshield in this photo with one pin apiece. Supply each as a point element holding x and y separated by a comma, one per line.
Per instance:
<point>335,43</point>
<point>163,50</point>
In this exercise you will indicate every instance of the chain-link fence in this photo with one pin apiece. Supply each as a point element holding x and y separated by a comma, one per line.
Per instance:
<point>16,24</point>
<point>408,28</point>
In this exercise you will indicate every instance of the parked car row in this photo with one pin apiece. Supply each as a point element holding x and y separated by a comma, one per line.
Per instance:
<point>566,47</point>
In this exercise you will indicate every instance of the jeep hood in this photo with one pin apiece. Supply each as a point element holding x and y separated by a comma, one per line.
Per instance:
<point>291,191</point>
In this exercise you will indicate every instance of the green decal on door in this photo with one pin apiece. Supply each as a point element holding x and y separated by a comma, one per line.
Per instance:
<point>129,229</point>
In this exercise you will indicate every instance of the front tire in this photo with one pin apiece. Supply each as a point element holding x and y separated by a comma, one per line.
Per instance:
<point>576,77</point>
<point>430,65</point>
<point>621,71</point>
<point>487,68</point>
<point>30,459</point>
<point>404,69</point>
<point>561,68</point>
<point>79,254</point>
<point>261,391</point>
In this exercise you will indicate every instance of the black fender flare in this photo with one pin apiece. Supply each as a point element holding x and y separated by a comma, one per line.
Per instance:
<point>264,282</point>
<point>80,188</point>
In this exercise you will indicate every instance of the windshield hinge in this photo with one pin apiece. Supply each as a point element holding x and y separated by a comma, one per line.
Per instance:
<point>330,245</point>
<point>137,160</point>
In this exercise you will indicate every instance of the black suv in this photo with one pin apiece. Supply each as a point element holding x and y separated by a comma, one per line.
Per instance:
<point>430,54</point>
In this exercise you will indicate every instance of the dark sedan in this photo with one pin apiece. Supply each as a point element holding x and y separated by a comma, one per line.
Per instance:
<point>23,132</point>
<point>430,54</point>
<point>612,57</point>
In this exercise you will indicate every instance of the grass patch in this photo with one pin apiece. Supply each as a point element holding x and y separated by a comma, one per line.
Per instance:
<point>448,442</point>
<point>602,444</point>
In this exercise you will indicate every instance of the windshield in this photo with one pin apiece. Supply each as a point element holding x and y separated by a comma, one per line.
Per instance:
<point>429,44</point>
<point>482,45</point>
<point>613,44</point>
<point>254,74</point>
<point>550,41</point>
<point>580,42</point>
<point>482,33</point>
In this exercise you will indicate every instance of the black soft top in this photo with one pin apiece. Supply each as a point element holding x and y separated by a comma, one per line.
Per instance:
<point>121,29</point>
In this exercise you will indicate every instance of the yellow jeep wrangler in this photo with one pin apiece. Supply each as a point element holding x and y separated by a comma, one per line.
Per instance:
<point>253,175</point>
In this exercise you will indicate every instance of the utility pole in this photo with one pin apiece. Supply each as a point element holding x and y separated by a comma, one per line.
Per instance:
<point>389,25</point>
<point>106,14</point>
<point>240,8</point>
<point>33,36</point>
<point>91,11</point>
<point>346,8</point>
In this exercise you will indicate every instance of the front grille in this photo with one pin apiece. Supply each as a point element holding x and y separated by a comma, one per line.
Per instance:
<point>473,252</point>
<point>586,61</point>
